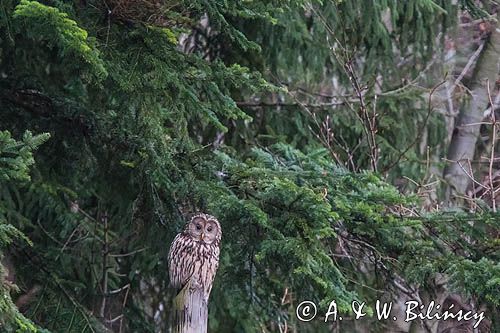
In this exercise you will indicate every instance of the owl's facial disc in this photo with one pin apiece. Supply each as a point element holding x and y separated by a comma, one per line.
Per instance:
<point>196,228</point>
<point>202,230</point>
<point>210,232</point>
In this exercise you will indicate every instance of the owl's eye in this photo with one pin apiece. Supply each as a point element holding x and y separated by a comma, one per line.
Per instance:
<point>198,227</point>
<point>209,229</point>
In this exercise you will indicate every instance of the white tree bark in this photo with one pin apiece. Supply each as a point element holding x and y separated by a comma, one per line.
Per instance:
<point>463,142</point>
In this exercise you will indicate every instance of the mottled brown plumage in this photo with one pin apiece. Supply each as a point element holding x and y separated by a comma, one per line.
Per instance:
<point>194,253</point>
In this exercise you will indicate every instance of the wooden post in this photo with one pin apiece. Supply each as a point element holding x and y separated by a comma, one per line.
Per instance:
<point>190,310</point>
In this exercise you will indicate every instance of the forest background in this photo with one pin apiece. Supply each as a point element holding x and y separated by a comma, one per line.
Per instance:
<point>348,148</point>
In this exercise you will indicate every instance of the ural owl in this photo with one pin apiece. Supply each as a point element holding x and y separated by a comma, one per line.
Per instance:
<point>194,253</point>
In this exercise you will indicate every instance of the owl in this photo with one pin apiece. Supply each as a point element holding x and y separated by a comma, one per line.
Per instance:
<point>194,253</point>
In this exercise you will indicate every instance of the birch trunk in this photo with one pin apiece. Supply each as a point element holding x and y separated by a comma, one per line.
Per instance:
<point>466,132</point>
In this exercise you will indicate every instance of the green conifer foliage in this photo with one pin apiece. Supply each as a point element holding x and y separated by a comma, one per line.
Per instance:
<point>16,157</point>
<point>143,130</point>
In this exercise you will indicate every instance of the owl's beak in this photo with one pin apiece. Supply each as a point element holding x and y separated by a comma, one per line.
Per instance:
<point>202,235</point>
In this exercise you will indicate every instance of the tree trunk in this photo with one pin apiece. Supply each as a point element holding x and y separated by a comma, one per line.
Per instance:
<point>190,310</point>
<point>463,142</point>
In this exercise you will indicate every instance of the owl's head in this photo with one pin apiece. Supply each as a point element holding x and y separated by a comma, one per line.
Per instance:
<point>204,228</point>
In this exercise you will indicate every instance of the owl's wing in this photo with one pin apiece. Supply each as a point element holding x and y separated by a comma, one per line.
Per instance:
<point>209,270</point>
<point>180,261</point>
